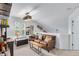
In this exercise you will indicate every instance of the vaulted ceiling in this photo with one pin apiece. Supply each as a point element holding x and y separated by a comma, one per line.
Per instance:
<point>52,16</point>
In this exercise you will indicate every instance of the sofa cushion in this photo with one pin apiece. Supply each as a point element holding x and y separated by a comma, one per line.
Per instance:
<point>38,44</point>
<point>42,42</point>
<point>38,41</point>
<point>48,38</point>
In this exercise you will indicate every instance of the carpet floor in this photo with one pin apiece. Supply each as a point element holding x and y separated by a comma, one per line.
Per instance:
<point>25,50</point>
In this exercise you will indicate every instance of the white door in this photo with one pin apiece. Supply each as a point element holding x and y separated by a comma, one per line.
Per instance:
<point>75,34</point>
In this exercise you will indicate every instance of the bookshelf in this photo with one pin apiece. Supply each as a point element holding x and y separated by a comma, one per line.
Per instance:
<point>3,27</point>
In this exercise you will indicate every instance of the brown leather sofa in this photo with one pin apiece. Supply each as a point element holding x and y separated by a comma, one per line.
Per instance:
<point>47,42</point>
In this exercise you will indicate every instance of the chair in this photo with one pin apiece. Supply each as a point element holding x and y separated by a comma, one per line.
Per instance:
<point>2,45</point>
<point>2,48</point>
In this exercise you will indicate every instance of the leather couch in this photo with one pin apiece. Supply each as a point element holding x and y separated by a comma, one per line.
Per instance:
<point>47,42</point>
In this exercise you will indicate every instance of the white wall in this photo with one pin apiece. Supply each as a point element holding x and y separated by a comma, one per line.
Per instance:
<point>28,23</point>
<point>62,40</point>
<point>12,29</point>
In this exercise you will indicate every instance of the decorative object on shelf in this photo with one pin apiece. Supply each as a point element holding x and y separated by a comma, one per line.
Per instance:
<point>29,30</point>
<point>4,23</point>
<point>0,21</point>
<point>17,33</point>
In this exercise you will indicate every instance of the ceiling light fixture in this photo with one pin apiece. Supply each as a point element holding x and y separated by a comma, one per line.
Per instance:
<point>28,17</point>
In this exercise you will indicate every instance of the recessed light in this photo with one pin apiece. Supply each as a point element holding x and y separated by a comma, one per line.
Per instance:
<point>69,8</point>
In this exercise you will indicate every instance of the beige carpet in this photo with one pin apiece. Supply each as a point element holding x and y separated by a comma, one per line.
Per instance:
<point>59,52</point>
<point>25,50</point>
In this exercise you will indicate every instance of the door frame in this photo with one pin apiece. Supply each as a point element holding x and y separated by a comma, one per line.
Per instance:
<point>70,32</point>
<point>71,23</point>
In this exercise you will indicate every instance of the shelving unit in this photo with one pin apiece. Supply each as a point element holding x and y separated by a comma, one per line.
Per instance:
<point>3,28</point>
<point>5,9</point>
<point>4,14</point>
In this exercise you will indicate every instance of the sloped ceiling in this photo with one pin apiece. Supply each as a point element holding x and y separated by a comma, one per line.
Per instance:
<point>52,16</point>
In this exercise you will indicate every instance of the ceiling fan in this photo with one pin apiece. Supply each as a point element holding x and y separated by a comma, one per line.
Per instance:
<point>28,16</point>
